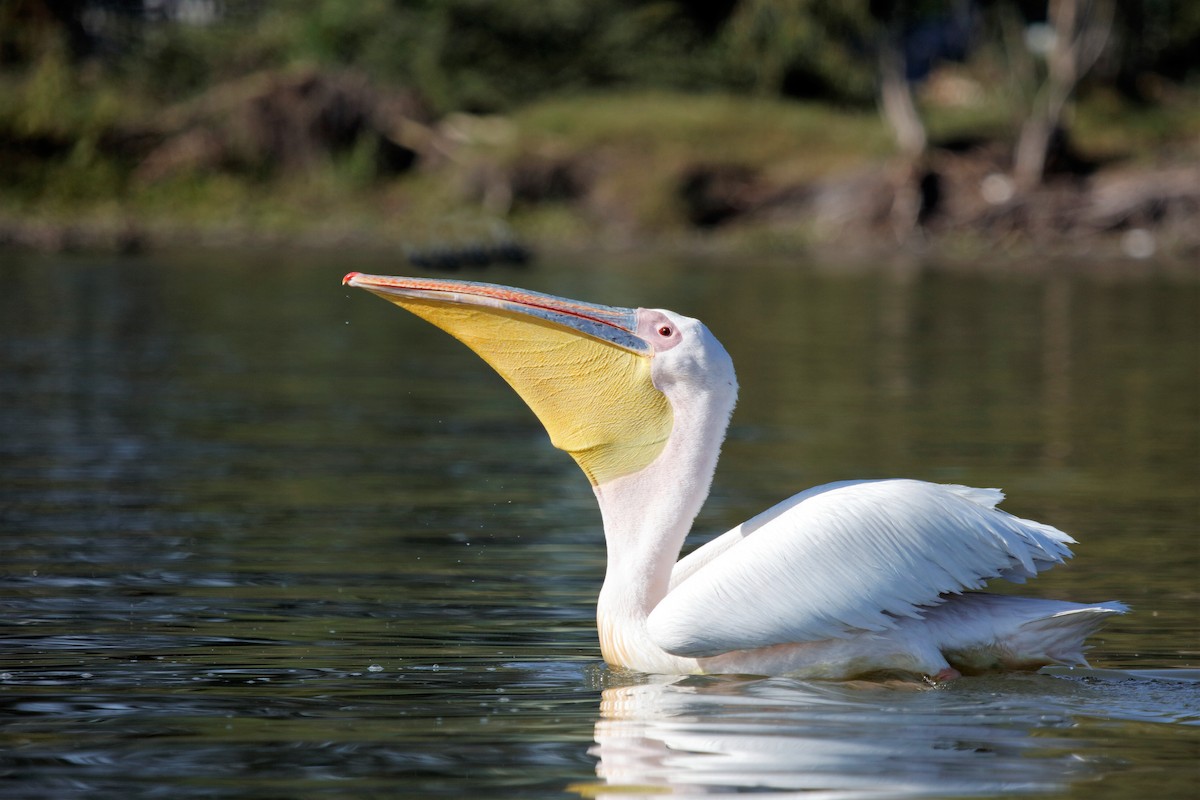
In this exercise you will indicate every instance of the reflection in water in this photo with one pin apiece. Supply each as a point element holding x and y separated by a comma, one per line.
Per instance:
<point>1001,735</point>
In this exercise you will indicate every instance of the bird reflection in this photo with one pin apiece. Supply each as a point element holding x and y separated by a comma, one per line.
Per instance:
<point>712,735</point>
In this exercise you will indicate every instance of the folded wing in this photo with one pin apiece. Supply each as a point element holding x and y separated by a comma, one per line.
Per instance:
<point>845,558</point>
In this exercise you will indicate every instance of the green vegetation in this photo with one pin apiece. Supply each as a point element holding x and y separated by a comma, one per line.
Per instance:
<point>576,118</point>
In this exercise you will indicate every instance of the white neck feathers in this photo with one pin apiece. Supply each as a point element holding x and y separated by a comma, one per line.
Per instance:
<point>647,516</point>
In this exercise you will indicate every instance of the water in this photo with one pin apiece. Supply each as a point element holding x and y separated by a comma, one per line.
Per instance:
<point>263,536</point>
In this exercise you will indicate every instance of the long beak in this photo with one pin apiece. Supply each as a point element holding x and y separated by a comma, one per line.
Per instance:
<point>581,367</point>
<point>612,324</point>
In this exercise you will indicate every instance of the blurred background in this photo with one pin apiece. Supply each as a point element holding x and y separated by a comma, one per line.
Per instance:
<point>961,125</point>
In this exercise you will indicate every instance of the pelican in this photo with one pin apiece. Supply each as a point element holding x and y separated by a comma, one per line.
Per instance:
<point>842,580</point>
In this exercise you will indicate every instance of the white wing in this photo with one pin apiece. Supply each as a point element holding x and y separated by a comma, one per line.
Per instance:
<point>844,558</point>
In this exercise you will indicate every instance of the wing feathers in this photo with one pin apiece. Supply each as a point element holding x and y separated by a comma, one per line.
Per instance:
<point>846,558</point>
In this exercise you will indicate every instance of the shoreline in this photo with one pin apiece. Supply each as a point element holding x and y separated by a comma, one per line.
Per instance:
<point>607,173</point>
<point>1105,254</point>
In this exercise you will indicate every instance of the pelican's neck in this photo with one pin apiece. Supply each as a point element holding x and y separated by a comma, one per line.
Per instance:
<point>645,523</point>
<point>647,516</point>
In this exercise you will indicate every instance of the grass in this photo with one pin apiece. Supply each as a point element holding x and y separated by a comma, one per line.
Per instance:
<point>1108,126</point>
<point>761,134</point>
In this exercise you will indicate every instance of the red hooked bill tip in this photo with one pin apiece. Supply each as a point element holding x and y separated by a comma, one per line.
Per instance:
<point>349,277</point>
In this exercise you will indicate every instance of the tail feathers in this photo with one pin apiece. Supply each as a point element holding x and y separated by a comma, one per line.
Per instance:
<point>980,632</point>
<point>1059,638</point>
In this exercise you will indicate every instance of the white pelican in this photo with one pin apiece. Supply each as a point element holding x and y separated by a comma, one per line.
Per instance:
<point>841,580</point>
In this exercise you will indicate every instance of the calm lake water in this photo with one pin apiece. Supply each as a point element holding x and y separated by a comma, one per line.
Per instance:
<point>264,536</point>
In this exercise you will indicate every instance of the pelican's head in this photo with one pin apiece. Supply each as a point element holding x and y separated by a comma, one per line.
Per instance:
<point>611,385</point>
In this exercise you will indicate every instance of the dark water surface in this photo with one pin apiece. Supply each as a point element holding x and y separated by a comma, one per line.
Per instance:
<point>263,536</point>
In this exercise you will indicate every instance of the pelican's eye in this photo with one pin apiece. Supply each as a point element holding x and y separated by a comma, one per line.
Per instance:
<point>658,330</point>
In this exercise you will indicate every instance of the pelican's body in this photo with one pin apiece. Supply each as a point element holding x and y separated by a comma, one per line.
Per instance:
<point>838,581</point>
